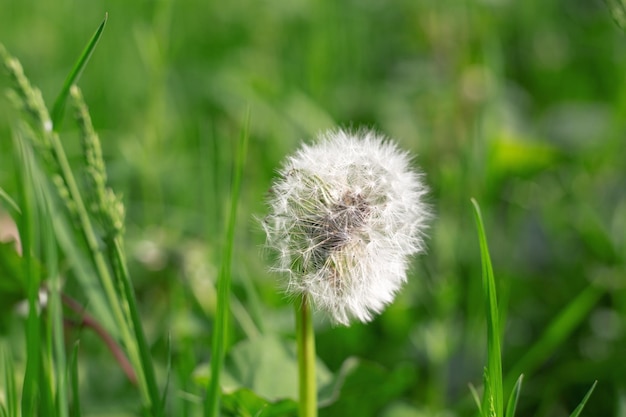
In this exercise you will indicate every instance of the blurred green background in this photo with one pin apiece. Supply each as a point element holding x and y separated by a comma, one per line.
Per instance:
<point>521,105</point>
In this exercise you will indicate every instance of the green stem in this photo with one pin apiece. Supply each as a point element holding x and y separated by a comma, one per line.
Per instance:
<point>100,264</point>
<point>305,337</point>
<point>121,271</point>
<point>222,317</point>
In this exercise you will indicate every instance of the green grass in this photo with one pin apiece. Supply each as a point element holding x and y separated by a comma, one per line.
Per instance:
<point>221,335</point>
<point>518,105</point>
<point>493,396</point>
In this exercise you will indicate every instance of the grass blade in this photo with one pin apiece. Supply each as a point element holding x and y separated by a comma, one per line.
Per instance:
<point>85,274</point>
<point>493,402</point>
<point>212,401</point>
<point>73,378</point>
<point>121,272</point>
<point>107,209</point>
<point>514,397</point>
<point>476,398</point>
<point>55,309</point>
<point>168,370</point>
<point>51,149</point>
<point>59,104</point>
<point>10,392</point>
<point>27,226</point>
<point>580,407</point>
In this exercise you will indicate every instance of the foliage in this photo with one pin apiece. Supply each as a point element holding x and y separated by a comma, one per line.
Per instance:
<point>517,104</point>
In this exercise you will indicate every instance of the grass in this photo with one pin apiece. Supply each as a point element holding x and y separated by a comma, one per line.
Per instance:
<point>519,105</point>
<point>221,336</point>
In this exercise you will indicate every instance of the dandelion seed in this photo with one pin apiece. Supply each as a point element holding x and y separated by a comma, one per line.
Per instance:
<point>345,216</point>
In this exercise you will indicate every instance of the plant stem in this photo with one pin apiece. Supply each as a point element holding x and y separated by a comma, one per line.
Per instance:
<point>100,264</point>
<point>222,317</point>
<point>305,338</point>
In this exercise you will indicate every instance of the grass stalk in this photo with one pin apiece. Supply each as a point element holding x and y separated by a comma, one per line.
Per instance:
<point>27,227</point>
<point>222,320</point>
<point>53,152</point>
<point>55,309</point>
<point>108,210</point>
<point>121,271</point>
<point>99,261</point>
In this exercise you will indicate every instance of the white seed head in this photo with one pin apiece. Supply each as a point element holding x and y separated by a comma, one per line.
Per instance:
<point>345,215</point>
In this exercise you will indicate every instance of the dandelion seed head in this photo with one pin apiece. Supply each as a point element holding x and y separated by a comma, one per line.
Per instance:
<point>346,214</point>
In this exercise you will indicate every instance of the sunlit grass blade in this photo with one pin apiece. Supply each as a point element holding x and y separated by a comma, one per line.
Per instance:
<point>59,104</point>
<point>222,319</point>
<point>493,401</point>
<point>511,405</point>
<point>580,407</point>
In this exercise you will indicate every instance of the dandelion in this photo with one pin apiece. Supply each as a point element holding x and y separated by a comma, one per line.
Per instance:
<point>346,214</point>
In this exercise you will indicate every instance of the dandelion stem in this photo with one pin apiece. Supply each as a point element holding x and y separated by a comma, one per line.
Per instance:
<point>306,359</point>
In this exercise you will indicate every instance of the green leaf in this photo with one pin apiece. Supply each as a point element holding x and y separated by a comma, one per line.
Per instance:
<point>244,402</point>
<point>266,365</point>
<point>59,104</point>
<point>493,401</point>
<point>580,407</point>
<point>512,404</point>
